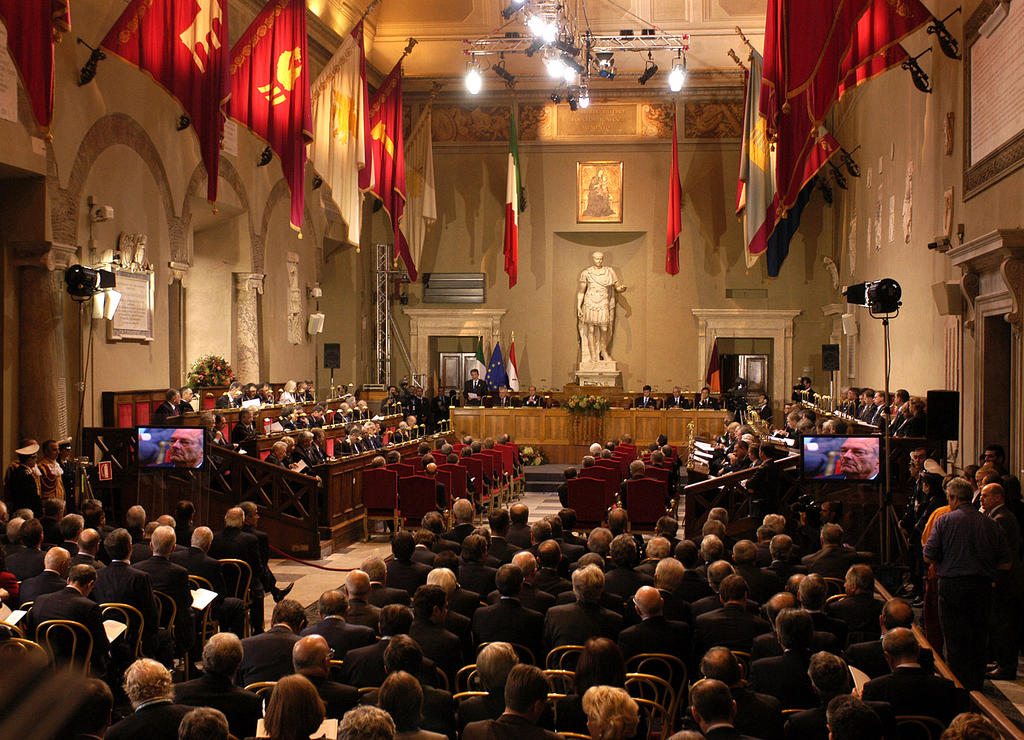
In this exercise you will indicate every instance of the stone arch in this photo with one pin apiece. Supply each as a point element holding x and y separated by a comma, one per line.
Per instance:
<point>112,129</point>
<point>229,174</point>
<point>278,192</point>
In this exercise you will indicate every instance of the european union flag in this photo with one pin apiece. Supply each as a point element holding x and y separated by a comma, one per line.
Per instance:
<point>496,377</point>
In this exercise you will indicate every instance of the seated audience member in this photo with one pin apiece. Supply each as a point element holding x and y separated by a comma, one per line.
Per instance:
<point>233,542</point>
<point>830,678</point>
<point>73,603</point>
<point>785,676</point>
<point>611,713</point>
<point>508,619</point>
<point>294,711</point>
<point>849,718</point>
<point>768,645</point>
<point>430,606</point>
<point>172,580</point>
<point>781,549</point>
<point>755,713</point>
<point>870,656</point>
<point>622,580</point>
<point>360,611</point>
<point>229,611</point>
<point>732,625</point>
<point>88,550</point>
<point>658,548</point>
<point>500,547</point>
<point>402,698</point>
<point>834,558</point>
<point>600,664</point>
<point>222,654</point>
<point>365,666</point>
<point>71,525</point>
<point>549,558</point>
<point>655,633</point>
<point>813,593</point>
<point>526,692</point>
<point>693,586</point>
<point>714,711</point>
<point>28,561</point>
<point>761,582</point>
<point>122,584</point>
<point>858,608</point>
<point>519,530</point>
<point>571,624</point>
<point>366,723</point>
<point>464,511</point>
<point>92,717</point>
<point>155,716</point>
<point>341,636</point>
<point>909,689</point>
<point>474,573</point>
<point>203,723</point>
<point>54,577</point>
<point>716,572</point>
<point>381,594</point>
<point>493,663</point>
<point>969,726</point>
<point>135,523</point>
<point>268,656</point>
<point>403,573</point>
<point>311,657</point>
<point>461,602</point>
<point>568,474</point>
<point>530,595</point>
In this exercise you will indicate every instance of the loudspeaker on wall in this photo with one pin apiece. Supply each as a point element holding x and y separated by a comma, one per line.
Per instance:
<point>943,418</point>
<point>332,356</point>
<point>830,357</point>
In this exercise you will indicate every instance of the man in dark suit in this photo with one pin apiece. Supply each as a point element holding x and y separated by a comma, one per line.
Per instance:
<point>222,654</point>
<point>622,580</point>
<point>500,547</point>
<point>155,716</point>
<point>519,529</point>
<point>360,611</point>
<point>365,666</point>
<point>172,580</point>
<point>731,626</point>
<point>655,633</point>
<point>870,657</point>
<point>474,389</point>
<point>227,610</point>
<point>123,584</point>
<point>834,558</point>
<point>430,607</point>
<point>340,635</point>
<point>574,624</point>
<point>646,401</point>
<point>714,710</point>
<point>781,549</point>
<point>73,603</point>
<point>692,586</point>
<point>268,656</point>
<point>813,592</point>
<point>508,620</point>
<point>423,552</point>
<point>704,400</point>
<point>504,400</point>
<point>28,561</point>
<point>785,676</point>
<point>1003,623</point>
<point>311,657</point>
<point>403,573</point>
<point>530,596</point>
<point>909,688</point>
<point>381,594</point>
<point>474,573</point>
<point>464,511</point>
<point>533,399</point>
<point>526,691</point>
<point>234,543</point>
<point>169,409</point>
<point>265,575</point>
<point>763,584</point>
<point>768,645</point>
<point>53,578</point>
<point>756,714</point>
<point>677,400</point>
<point>88,548</point>
<point>858,608</point>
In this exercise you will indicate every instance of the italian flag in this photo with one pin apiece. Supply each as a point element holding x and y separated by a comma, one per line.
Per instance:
<point>479,363</point>
<point>510,371</point>
<point>513,193</point>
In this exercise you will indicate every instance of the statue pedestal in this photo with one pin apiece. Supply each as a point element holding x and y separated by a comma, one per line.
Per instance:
<point>600,373</point>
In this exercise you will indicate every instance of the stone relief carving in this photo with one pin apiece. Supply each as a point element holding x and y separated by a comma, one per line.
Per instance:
<point>294,299</point>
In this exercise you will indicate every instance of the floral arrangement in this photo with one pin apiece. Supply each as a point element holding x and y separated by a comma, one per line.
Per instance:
<point>531,456</point>
<point>588,405</point>
<point>209,370</point>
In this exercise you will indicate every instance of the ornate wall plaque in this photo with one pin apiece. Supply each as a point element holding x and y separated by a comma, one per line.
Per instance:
<point>133,319</point>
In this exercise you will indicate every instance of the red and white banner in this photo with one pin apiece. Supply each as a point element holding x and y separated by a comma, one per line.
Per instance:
<point>183,45</point>
<point>675,206</point>
<point>33,26</point>
<point>270,90</point>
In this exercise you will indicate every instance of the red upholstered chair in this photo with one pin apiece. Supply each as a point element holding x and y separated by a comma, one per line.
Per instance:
<point>587,498</point>
<point>417,495</point>
<point>659,474</point>
<point>380,497</point>
<point>611,465</point>
<point>439,457</point>
<point>645,502</point>
<point>475,467</point>
<point>403,469</point>
<point>459,477</point>
<point>627,447</point>
<point>610,479</point>
<point>502,475</point>
<point>457,447</point>
<point>445,478</point>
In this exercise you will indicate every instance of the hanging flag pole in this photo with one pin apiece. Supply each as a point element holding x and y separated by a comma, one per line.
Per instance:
<point>513,195</point>
<point>675,205</point>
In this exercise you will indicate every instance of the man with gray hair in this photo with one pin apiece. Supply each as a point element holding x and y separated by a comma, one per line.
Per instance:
<point>717,572</point>
<point>172,580</point>
<point>381,594</point>
<point>335,629</point>
<point>858,608</point>
<point>311,657</point>
<point>227,610</point>
<point>135,522</point>
<point>54,577</point>
<point>464,512</point>
<point>574,624</point>
<point>155,715</point>
<point>655,633</point>
<point>70,527</point>
<point>360,611</point>
<point>366,723</point>
<point>834,558</point>
<point>13,530</point>
<point>530,596</point>
<point>234,543</point>
<point>203,724</point>
<point>493,664</point>
<point>216,688</point>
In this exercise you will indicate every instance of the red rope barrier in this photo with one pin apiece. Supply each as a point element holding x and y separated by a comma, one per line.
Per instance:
<point>309,562</point>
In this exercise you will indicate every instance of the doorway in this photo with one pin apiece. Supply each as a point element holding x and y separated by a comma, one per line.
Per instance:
<point>996,383</point>
<point>454,357</point>
<point>746,358</point>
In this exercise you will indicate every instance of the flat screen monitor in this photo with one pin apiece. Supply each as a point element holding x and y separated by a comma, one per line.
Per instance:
<point>852,458</point>
<point>167,447</point>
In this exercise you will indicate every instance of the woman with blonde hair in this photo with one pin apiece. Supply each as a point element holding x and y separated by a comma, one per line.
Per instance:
<point>295,709</point>
<point>611,713</point>
<point>287,393</point>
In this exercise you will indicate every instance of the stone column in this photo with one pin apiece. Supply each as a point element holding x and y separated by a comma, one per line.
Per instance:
<point>42,359</point>
<point>177,362</point>
<point>247,331</point>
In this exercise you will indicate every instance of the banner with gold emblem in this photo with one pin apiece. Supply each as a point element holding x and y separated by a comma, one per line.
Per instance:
<point>270,89</point>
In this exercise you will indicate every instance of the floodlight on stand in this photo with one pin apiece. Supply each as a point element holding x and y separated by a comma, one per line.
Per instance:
<point>105,303</point>
<point>84,282</point>
<point>880,296</point>
<point>649,71</point>
<point>474,80</point>
<point>677,77</point>
<point>584,99</point>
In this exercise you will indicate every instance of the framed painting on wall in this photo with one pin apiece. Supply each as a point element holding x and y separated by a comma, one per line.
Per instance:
<point>599,192</point>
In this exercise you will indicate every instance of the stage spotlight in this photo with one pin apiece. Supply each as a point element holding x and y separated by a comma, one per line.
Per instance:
<point>677,77</point>
<point>84,282</point>
<point>584,95</point>
<point>556,97</point>
<point>649,71</point>
<point>567,47</point>
<point>554,65</point>
<point>572,64</point>
<point>573,98</point>
<point>534,47</point>
<point>499,69</point>
<point>512,9</point>
<point>474,80</point>
<point>881,296</point>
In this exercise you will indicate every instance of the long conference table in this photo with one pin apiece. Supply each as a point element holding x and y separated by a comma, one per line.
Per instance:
<point>564,437</point>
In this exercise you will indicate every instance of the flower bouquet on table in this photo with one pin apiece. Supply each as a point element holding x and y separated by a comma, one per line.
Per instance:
<point>531,456</point>
<point>209,370</point>
<point>588,405</point>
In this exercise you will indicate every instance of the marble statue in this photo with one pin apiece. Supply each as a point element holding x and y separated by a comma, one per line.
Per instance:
<point>595,309</point>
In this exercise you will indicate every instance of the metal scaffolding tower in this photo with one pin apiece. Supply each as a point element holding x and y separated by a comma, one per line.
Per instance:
<point>383,314</point>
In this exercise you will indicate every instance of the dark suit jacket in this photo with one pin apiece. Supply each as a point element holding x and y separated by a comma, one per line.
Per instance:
<point>693,586</point>
<point>657,635</point>
<point>141,551</point>
<point>381,595</point>
<point>121,583</point>
<point>812,724</point>
<point>422,554</point>
<point>726,733</point>
<point>440,645</point>
<point>479,387</point>
<point>519,535</point>
<point>646,403</point>
<point>365,666</point>
<point>69,604</point>
<point>830,562</point>
<point>785,678</point>
<point>477,577</point>
<point>266,657</point>
<point>870,658</point>
<point>46,582</point>
<point>86,559</point>
<point>762,584</point>
<point>464,602</point>
<point>825,623</point>
<point>574,624</point>
<point>479,708</point>
<point>232,542</point>
<point>731,626</point>
<point>26,563</point>
<point>172,580</point>
<point>506,727</point>
<point>502,549</point>
<point>458,533</point>
<point>509,621</point>
<point>407,576</point>
<point>624,582</point>
<point>860,612</point>
<point>361,612</point>
<point>338,697</point>
<point>549,581</point>
<point>164,411</point>
<point>341,636</point>
<point>757,714</point>
<point>438,709</point>
<point>198,563</point>
<point>153,722</point>
<point>682,402</point>
<point>767,645</point>
<point>242,708</point>
<point>913,691</point>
